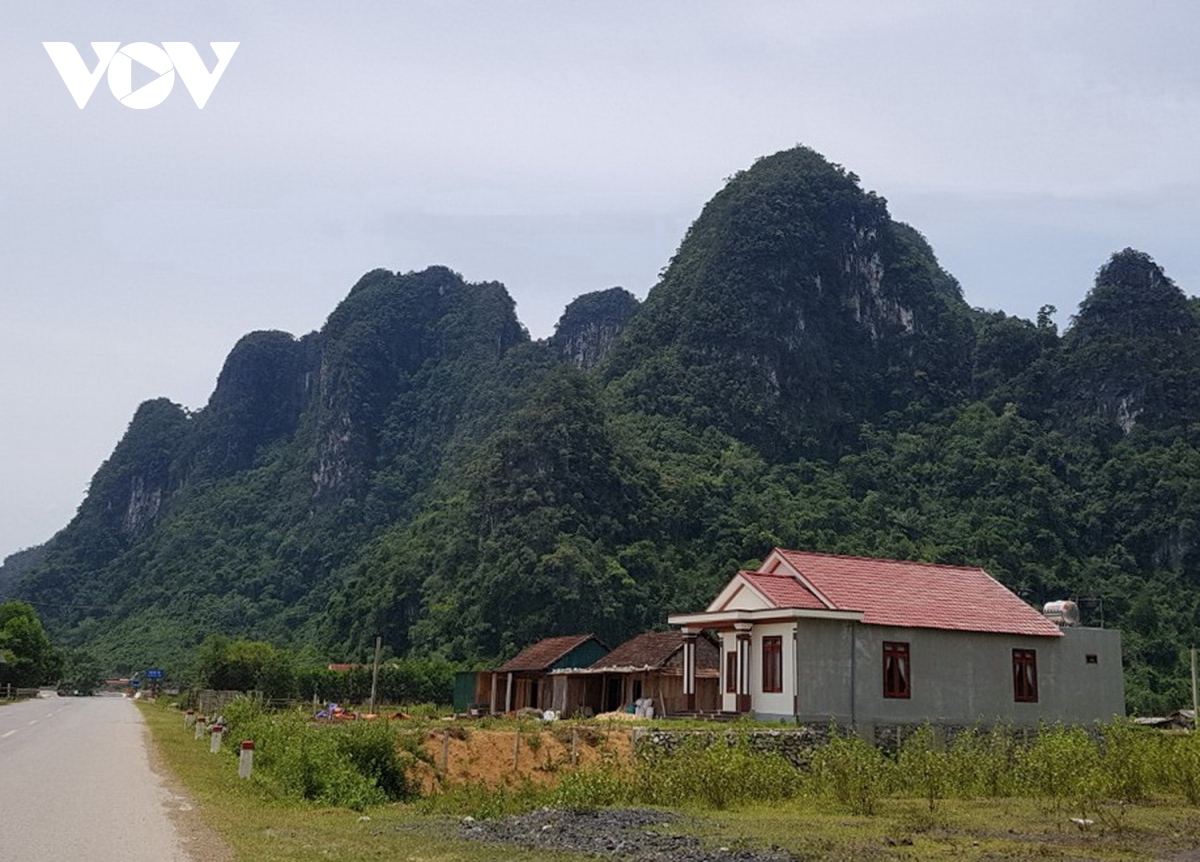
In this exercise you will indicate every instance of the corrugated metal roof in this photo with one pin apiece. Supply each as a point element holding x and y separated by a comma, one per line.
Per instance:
<point>907,594</point>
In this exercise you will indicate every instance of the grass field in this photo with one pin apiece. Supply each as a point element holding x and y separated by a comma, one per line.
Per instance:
<point>256,824</point>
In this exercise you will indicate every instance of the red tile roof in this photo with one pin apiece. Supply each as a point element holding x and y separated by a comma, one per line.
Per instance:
<point>907,594</point>
<point>543,654</point>
<point>783,590</point>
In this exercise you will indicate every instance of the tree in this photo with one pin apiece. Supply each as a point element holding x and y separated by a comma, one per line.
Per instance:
<point>30,657</point>
<point>244,665</point>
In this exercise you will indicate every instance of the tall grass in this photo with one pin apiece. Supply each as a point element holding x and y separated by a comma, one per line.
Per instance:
<point>1064,768</point>
<point>351,765</point>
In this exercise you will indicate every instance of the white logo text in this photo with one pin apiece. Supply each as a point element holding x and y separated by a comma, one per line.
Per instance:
<point>118,61</point>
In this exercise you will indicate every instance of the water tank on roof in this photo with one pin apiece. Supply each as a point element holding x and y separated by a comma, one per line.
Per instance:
<point>1065,613</point>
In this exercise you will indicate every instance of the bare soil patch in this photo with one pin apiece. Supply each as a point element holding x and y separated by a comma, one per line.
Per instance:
<point>509,758</point>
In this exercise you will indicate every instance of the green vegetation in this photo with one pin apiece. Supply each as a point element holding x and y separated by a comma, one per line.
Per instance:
<point>29,657</point>
<point>805,375</point>
<point>260,823</point>
<point>347,764</point>
<point>1063,793</point>
<point>242,665</point>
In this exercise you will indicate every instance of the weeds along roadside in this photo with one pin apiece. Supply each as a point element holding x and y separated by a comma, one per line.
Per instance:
<point>361,764</point>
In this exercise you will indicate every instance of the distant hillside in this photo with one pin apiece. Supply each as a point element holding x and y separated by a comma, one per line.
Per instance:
<point>805,374</point>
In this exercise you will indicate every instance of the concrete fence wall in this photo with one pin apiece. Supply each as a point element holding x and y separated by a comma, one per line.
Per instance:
<point>797,744</point>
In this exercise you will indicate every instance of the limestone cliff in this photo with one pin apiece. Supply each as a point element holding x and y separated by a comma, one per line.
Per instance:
<point>591,325</point>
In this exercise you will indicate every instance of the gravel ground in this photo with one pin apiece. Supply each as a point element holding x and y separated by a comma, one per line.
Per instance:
<point>636,835</point>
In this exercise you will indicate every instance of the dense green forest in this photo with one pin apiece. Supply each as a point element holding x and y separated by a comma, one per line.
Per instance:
<point>805,374</point>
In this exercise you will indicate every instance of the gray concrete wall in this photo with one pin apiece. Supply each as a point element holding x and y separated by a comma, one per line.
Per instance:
<point>957,678</point>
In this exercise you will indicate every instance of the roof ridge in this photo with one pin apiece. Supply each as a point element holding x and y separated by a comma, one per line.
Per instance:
<point>875,560</point>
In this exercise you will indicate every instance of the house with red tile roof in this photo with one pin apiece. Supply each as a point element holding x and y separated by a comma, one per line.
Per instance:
<point>819,637</point>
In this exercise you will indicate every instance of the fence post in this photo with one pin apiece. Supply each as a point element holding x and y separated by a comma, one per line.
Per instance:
<point>446,751</point>
<point>574,746</point>
<point>516,748</point>
<point>246,759</point>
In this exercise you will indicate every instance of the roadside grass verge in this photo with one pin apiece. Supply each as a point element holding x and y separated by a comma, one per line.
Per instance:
<point>969,830</point>
<point>1062,797</point>
<point>259,826</point>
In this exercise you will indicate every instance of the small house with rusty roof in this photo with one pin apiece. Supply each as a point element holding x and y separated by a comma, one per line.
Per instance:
<point>649,666</point>
<point>524,682</point>
<point>818,637</point>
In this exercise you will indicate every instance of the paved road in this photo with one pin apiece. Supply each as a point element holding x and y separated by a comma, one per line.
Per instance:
<point>76,784</point>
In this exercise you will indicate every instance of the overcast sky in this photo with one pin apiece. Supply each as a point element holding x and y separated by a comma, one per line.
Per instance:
<point>559,147</point>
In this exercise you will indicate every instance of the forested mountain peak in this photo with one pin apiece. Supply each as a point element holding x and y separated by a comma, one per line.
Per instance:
<point>1132,354</point>
<point>1132,298</point>
<point>380,339</point>
<point>794,308</point>
<point>591,325</point>
<point>260,394</point>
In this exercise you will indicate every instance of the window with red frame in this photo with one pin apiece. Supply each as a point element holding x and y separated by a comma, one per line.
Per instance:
<point>1025,687</point>
<point>731,673</point>
<point>772,663</point>
<point>896,678</point>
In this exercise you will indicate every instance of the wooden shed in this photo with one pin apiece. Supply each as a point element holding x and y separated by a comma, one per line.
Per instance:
<point>650,665</point>
<point>525,681</point>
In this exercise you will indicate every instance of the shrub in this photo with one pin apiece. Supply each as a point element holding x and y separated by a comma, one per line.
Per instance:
<point>717,773</point>
<point>352,765</point>
<point>1180,758</point>
<point>372,748</point>
<point>1130,759</point>
<point>1061,763</point>
<point>981,764</point>
<point>924,767</point>
<point>853,771</point>
<point>592,787</point>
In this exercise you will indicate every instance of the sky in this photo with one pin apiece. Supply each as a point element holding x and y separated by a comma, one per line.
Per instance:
<point>557,146</point>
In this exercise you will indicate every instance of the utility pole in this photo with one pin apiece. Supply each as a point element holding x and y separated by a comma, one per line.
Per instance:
<point>375,671</point>
<point>1195,696</point>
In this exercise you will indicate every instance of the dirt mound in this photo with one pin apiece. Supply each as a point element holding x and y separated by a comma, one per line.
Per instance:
<point>462,755</point>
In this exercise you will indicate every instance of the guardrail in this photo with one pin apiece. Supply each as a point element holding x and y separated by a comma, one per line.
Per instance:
<point>9,692</point>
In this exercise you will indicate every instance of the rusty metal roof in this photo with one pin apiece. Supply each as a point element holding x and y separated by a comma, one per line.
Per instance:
<point>647,650</point>
<point>542,655</point>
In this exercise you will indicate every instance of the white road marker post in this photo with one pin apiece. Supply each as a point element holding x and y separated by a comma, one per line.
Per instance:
<point>246,759</point>
<point>189,718</point>
<point>217,732</point>
<point>200,722</point>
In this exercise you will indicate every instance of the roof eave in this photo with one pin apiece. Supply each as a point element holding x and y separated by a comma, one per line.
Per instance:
<point>719,619</point>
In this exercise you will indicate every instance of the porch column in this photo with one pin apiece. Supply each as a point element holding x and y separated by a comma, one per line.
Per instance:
<point>796,672</point>
<point>689,670</point>
<point>508,694</point>
<point>492,705</point>
<point>743,663</point>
